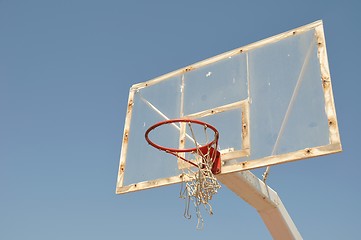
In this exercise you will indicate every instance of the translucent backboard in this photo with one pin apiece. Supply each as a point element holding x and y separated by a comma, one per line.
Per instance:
<point>271,102</point>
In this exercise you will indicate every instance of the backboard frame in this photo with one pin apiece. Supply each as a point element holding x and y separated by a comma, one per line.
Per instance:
<point>334,137</point>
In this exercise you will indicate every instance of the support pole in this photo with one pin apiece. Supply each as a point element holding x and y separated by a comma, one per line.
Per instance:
<point>265,200</point>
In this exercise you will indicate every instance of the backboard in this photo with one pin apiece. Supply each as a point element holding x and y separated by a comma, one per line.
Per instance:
<point>271,102</point>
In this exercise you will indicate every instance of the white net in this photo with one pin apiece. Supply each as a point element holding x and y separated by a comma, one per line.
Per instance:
<point>202,184</point>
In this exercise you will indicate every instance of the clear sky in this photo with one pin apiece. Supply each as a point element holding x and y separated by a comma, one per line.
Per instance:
<point>65,72</point>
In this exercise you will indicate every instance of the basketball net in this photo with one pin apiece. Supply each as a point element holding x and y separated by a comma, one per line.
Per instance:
<point>199,167</point>
<point>202,183</point>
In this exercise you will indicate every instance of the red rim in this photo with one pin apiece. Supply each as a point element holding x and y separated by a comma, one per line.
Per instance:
<point>177,150</point>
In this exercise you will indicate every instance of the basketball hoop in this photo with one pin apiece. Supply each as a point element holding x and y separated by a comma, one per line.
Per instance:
<point>201,168</point>
<point>207,150</point>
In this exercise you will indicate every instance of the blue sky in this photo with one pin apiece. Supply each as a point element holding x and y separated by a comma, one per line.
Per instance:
<point>65,72</point>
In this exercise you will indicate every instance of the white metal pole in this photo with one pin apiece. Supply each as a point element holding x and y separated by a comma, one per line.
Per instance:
<point>265,200</point>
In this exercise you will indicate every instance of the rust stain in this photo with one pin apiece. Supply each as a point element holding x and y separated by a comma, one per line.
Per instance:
<point>126,136</point>
<point>130,106</point>
<point>325,78</point>
<point>188,69</point>
<point>244,127</point>
<point>244,132</point>
<point>331,122</point>
<point>325,83</point>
